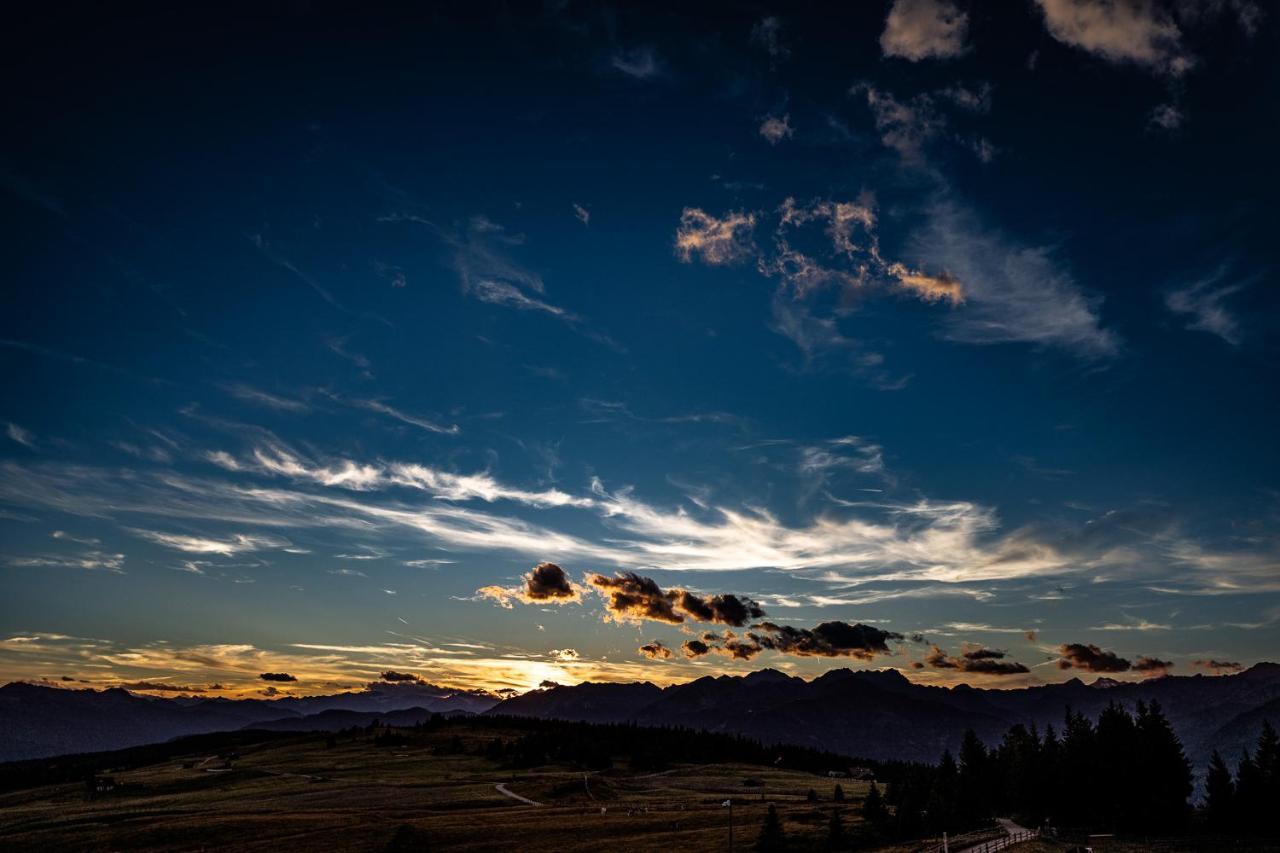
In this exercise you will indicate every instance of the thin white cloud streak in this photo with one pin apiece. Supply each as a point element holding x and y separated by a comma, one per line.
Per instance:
<point>87,560</point>
<point>237,543</point>
<point>412,420</point>
<point>249,394</point>
<point>956,542</point>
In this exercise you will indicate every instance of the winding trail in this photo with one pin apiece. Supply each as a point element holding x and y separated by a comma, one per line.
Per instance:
<point>501,788</point>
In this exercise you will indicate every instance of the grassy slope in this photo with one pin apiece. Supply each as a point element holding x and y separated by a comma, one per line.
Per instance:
<point>272,800</point>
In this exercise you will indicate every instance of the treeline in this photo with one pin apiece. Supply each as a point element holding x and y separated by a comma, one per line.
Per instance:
<point>1127,773</point>
<point>1245,804</point>
<point>596,746</point>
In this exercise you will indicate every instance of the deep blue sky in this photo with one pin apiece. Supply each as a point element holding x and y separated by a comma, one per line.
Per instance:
<point>952,321</point>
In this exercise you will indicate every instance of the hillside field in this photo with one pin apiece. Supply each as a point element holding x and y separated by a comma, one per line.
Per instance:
<point>354,795</point>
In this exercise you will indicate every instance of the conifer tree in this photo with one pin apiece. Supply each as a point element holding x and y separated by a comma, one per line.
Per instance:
<point>835,831</point>
<point>973,803</point>
<point>1251,802</point>
<point>873,810</point>
<point>772,839</point>
<point>1220,793</point>
<point>1163,774</point>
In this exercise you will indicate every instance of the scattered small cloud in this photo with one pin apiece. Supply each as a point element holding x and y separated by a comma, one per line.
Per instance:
<point>583,215</point>
<point>655,650</point>
<point>21,436</point>
<point>1090,658</point>
<point>641,63</point>
<point>1217,666</point>
<point>400,677</point>
<point>1120,31</point>
<point>717,241</point>
<point>924,29</point>
<point>976,659</point>
<point>767,34</point>
<point>1152,667</point>
<point>1167,117</point>
<point>775,129</point>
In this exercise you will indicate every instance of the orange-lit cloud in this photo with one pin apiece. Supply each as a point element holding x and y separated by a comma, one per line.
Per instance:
<point>546,583</point>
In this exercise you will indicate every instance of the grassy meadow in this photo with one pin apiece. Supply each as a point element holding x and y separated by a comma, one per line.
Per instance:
<point>349,794</point>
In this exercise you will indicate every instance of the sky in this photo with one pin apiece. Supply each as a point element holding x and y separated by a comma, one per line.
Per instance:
<point>892,334</point>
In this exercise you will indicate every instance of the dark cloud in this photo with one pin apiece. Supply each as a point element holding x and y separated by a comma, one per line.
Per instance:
<point>1218,665</point>
<point>724,609</point>
<point>549,685</point>
<point>632,596</point>
<point>695,648</point>
<point>729,645</point>
<point>1090,658</point>
<point>545,583</point>
<point>655,650</point>
<point>830,639</point>
<point>740,649</point>
<point>972,658</point>
<point>1031,636</point>
<point>392,675</point>
<point>549,582</point>
<point>1152,666</point>
<point>157,686</point>
<point>277,676</point>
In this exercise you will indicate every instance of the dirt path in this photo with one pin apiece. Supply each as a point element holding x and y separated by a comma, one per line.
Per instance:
<point>502,789</point>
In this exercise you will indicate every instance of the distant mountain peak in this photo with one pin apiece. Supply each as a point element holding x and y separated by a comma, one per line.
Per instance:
<point>765,675</point>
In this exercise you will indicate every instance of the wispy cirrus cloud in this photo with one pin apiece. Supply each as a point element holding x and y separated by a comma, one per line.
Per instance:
<point>20,435</point>
<point>92,561</point>
<point>249,394</point>
<point>237,543</point>
<point>921,542</point>
<point>1203,304</point>
<point>1014,293</point>
<point>482,258</point>
<point>640,63</point>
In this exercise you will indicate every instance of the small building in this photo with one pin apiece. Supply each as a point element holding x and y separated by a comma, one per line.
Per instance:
<point>96,786</point>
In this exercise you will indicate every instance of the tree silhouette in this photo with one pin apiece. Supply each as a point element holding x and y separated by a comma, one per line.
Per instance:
<point>974,796</point>
<point>835,831</point>
<point>1220,794</point>
<point>873,810</point>
<point>837,795</point>
<point>772,839</point>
